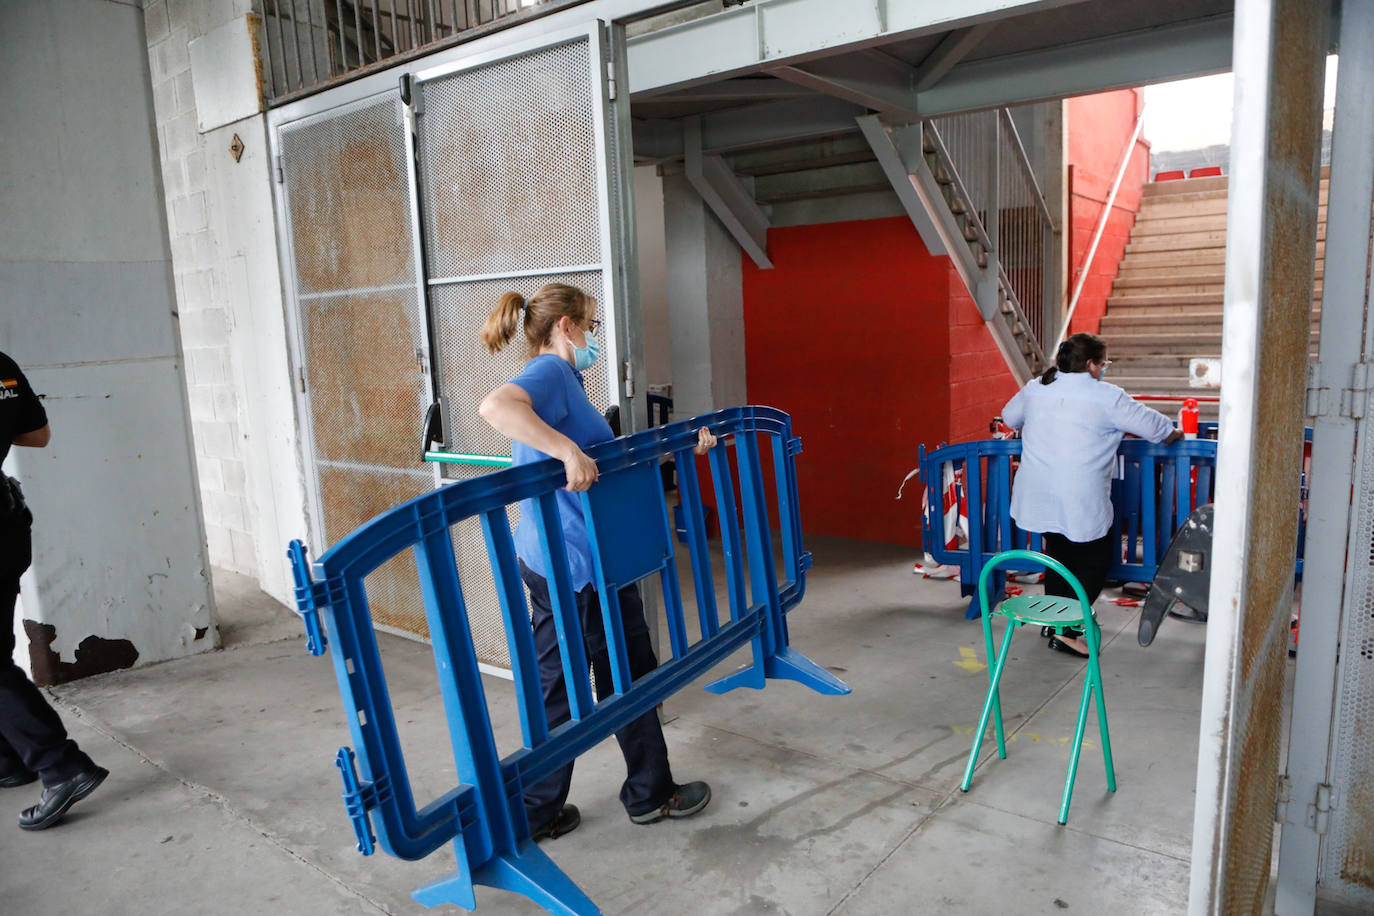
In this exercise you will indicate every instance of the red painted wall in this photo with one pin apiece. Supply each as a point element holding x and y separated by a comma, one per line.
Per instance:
<point>1098,128</point>
<point>980,383</point>
<point>849,334</point>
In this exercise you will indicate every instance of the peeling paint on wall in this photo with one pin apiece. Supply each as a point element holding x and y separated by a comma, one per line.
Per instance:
<point>94,655</point>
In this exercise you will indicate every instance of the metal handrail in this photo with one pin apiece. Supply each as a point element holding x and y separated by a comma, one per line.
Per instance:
<point>1101,227</point>
<point>1024,162</point>
<point>1020,313</point>
<point>970,209</point>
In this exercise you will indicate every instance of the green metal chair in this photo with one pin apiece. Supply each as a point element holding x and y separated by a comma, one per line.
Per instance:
<point>1042,611</point>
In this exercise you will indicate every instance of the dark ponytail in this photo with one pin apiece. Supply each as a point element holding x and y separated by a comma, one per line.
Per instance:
<point>1074,355</point>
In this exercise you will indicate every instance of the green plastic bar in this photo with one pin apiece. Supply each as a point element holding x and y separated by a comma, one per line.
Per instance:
<point>489,461</point>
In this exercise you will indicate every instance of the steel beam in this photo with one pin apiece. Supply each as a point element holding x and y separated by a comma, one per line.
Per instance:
<point>1271,227</point>
<point>869,78</point>
<point>898,150</point>
<point>948,53</point>
<point>782,32</point>
<point>729,200</point>
<point>751,126</point>
<point>1133,59</point>
<point>1333,461</point>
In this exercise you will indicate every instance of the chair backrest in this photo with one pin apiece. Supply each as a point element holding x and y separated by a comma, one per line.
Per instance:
<point>1007,557</point>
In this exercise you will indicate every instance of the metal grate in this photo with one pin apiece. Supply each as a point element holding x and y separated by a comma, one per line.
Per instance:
<point>349,213</point>
<point>307,43</point>
<point>1348,852</point>
<point>468,371</point>
<point>512,188</point>
<point>479,585</point>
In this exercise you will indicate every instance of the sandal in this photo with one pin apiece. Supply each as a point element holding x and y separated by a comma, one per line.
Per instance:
<point>1062,646</point>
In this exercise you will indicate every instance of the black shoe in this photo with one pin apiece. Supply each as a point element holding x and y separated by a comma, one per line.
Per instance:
<point>563,822</point>
<point>684,802</point>
<point>20,778</point>
<point>1060,645</point>
<point>1071,632</point>
<point>55,800</point>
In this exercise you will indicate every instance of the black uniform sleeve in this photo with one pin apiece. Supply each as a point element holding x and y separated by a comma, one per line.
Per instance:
<point>25,411</point>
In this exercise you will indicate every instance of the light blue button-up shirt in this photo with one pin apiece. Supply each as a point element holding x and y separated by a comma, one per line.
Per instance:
<point>1070,431</point>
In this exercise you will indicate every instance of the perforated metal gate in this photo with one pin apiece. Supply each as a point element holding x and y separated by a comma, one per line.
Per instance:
<point>517,183</point>
<point>1347,857</point>
<point>360,327</point>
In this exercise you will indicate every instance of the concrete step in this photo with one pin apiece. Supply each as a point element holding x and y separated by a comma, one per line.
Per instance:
<point>1167,259</point>
<point>1199,320</point>
<point>1204,275</point>
<point>1178,295</point>
<point>1150,225</point>
<point>1192,241</point>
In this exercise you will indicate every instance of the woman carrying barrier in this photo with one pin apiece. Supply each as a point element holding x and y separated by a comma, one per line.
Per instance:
<point>1071,425</point>
<point>546,413</point>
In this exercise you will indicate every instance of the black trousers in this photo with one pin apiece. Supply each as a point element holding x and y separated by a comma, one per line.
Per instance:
<point>1087,560</point>
<point>648,780</point>
<point>31,734</point>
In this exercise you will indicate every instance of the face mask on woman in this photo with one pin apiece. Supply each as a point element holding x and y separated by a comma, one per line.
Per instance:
<point>584,357</point>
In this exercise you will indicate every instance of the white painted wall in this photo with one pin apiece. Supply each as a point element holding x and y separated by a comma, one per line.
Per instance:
<point>89,313</point>
<point>653,275</point>
<point>228,282</point>
<point>705,304</point>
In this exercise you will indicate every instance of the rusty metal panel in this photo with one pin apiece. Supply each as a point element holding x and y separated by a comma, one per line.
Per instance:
<point>349,212</point>
<point>1271,246</point>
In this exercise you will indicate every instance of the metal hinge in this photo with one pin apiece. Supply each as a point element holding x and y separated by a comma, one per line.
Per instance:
<point>610,80</point>
<point>281,174</point>
<point>1321,810</point>
<point>360,798</point>
<point>300,378</point>
<point>1324,399</point>
<point>629,380</point>
<point>1284,796</point>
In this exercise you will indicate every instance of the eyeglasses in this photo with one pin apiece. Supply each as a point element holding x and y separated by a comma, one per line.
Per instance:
<point>594,326</point>
<point>1106,362</point>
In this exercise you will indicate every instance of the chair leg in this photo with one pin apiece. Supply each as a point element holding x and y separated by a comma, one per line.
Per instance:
<point>1095,672</point>
<point>988,705</point>
<point>992,686</point>
<point>1077,748</point>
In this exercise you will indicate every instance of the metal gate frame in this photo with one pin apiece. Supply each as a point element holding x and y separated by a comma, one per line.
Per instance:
<point>623,357</point>
<point>1317,796</point>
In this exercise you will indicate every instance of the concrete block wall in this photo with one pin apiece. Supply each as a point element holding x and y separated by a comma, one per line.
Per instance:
<point>199,277</point>
<point>229,296</point>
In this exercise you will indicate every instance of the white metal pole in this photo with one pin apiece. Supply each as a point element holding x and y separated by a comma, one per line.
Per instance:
<point>1097,232</point>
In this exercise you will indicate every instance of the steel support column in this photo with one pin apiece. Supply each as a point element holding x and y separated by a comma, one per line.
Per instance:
<point>1327,571</point>
<point>1280,48</point>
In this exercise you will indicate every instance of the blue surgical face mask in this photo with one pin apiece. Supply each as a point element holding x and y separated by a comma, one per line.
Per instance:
<point>584,357</point>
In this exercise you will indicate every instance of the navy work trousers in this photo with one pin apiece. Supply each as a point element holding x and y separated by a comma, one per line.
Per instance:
<point>648,780</point>
<point>31,734</point>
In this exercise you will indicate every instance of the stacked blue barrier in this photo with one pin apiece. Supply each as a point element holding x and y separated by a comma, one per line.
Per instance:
<point>631,540</point>
<point>1157,486</point>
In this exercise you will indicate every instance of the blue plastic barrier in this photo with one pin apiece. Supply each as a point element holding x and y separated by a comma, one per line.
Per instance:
<point>1148,501</point>
<point>631,540</point>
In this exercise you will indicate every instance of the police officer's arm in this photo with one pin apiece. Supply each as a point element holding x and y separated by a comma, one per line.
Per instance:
<point>36,438</point>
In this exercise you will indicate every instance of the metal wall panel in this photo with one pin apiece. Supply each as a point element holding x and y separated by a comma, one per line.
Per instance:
<point>348,211</point>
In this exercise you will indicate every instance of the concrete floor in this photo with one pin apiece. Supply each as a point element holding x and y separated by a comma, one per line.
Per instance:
<point>223,796</point>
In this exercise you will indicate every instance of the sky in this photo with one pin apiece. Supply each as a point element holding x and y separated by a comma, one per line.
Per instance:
<point>1189,114</point>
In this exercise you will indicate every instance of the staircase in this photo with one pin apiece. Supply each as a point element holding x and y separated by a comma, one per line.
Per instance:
<point>1165,307</point>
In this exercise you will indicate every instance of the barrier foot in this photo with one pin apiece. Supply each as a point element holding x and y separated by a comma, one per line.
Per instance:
<point>528,871</point>
<point>787,664</point>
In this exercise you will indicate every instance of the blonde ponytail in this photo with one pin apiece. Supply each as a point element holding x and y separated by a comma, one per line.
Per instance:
<point>503,321</point>
<point>539,315</point>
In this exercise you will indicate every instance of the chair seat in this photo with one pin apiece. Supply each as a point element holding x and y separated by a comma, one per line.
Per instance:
<point>1044,610</point>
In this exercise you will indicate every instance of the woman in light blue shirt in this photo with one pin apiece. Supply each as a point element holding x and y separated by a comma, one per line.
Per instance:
<point>545,410</point>
<point>1071,424</point>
